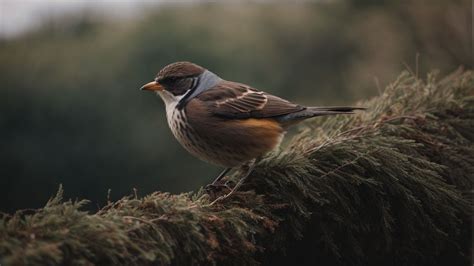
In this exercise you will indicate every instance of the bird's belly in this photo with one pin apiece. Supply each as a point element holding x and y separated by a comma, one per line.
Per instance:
<point>194,143</point>
<point>228,146</point>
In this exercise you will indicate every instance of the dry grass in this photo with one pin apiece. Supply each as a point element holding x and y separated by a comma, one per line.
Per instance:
<point>389,186</point>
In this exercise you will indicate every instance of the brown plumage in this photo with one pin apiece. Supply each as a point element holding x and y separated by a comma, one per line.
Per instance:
<point>225,142</point>
<point>223,122</point>
<point>234,100</point>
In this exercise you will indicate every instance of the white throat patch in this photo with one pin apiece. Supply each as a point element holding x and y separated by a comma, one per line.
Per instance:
<point>170,102</point>
<point>168,98</point>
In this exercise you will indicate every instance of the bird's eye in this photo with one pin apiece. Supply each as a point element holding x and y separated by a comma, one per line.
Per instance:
<point>169,80</point>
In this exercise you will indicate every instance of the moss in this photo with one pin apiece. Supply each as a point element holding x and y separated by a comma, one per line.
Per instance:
<point>389,186</point>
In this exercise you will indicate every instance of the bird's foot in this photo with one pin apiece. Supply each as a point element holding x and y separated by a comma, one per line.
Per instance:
<point>216,186</point>
<point>248,170</point>
<point>232,190</point>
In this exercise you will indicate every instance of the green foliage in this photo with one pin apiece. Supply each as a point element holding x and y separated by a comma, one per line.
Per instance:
<point>389,186</point>
<point>71,112</point>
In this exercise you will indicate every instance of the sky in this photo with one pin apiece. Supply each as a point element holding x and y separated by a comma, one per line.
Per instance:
<point>19,16</point>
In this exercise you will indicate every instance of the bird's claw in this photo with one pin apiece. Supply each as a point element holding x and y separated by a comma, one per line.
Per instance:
<point>217,186</point>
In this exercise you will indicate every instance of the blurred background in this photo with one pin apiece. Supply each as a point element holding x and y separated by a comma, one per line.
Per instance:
<point>71,111</point>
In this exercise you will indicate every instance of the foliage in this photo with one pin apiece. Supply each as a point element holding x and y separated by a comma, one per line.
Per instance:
<point>389,186</point>
<point>71,111</point>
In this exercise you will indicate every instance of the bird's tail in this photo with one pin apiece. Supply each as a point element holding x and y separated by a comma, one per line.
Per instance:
<point>318,111</point>
<point>334,110</point>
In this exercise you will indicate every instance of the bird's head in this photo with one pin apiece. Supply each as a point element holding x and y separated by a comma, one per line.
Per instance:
<point>181,80</point>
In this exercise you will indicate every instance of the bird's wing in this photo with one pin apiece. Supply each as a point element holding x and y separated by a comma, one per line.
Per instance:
<point>235,100</point>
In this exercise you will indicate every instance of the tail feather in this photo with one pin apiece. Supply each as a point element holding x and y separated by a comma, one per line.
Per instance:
<point>337,108</point>
<point>318,111</point>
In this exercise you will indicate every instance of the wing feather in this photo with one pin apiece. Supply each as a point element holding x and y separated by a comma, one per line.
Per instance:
<point>235,100</point>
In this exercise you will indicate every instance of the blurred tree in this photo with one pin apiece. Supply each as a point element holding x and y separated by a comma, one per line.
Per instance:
<point>71,112</point>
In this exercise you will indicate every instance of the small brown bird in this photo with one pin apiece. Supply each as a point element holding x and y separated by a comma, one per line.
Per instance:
<point>226,123</point>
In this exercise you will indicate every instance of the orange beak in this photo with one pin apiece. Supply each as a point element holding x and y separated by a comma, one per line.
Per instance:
<point>152,86</point>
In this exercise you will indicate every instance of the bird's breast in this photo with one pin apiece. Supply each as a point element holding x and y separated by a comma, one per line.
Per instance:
<point>220,141</point>
<point>187,136</point>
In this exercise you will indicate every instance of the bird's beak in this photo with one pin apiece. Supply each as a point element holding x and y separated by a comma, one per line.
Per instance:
<point>152,86</point>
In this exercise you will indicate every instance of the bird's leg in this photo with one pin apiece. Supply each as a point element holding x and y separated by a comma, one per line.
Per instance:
<point>251,166</point>
<point>215,184</point>
<point>220,176</point>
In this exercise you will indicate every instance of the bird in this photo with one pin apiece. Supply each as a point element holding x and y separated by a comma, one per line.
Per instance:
<point>226,123</point>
